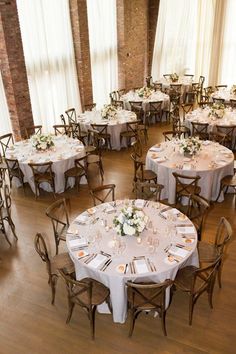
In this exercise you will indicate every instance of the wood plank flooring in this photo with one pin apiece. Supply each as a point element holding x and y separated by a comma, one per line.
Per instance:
<point>30,324</point>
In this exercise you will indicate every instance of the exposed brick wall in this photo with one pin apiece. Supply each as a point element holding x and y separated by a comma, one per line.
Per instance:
<point>79,23</point>
<point>13,70</point>
<point>153,9</point>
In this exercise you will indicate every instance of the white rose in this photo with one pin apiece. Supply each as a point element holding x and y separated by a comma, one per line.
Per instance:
<point>128,230</point>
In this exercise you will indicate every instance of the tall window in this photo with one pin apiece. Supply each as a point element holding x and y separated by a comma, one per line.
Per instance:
<point>49,56</point>
<point>5,123</point>
<point>103,48</point>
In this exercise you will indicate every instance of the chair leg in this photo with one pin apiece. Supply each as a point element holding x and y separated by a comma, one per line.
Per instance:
<point>191,304</point>
<point>4,233</point>
<point>71,306</point>
<point>13,228</point>
<point>53,282</point>
<point>219,273</point>
<point>92,321</point>
<point>221,189</point>
<point>132,321</point>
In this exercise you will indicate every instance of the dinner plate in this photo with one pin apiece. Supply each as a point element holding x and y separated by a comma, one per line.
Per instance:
<point>121,268</point>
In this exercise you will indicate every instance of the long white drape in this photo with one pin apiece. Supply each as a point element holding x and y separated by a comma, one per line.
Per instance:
<point>103,48</point>
<point>5,123</point>
<point>49,56</point>
<point>183,38</point>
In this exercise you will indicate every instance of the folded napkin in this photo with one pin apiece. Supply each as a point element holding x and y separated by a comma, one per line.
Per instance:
<point>98,261</point>
<point>173,211</point>
<point>78,242</point>
<point>187,166</point>
<point>110,208</point>
<point>161,159</point>
<point>180,252</point>
<point>139,203</point>
<point>81,219</point>
<point>185,229</point>
<point>141,266</point>
<point>155,149</point>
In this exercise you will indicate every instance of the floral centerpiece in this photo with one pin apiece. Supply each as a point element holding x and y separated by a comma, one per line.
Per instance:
<point>131,221</point>
<point>233,90</point>
<point>108,111</point>
<point>174,77</point>
<point>144,92</point>
<point>42,141</point>
<point>217,110</point>
<point>190,146</point>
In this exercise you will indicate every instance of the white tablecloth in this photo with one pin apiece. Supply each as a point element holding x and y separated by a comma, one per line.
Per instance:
<point>114,125</point>
<point>63,154</point>
<point>225,94</point>
<point>185,82</point>
<point>111,277</point>
<point>212,163</point>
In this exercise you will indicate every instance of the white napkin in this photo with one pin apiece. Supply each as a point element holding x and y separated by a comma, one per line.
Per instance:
<point>139,203</point>
<point>160,159</point>
<point>187,166</point>
<point>185,229</point>
<point>141,266</point>
<point>155,149</point>
<point>78,242</point>
<point>97,261</point>
<point>180,252</point>
<point>82,218</point>
<point>170,211</point>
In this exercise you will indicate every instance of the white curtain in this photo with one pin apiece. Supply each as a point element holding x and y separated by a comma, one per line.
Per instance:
<point>183,38</point>
<point>103,48</point>
<point>5,123</point>
<point>49,55</point>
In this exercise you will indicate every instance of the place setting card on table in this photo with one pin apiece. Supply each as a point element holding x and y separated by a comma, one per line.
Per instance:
<point>140,203</point>
<point>186,230</point>
<point>98,261</point>
<point>177,251</point>
<point>81,219</point>
<point>141,266</point>
<point>78,242</point>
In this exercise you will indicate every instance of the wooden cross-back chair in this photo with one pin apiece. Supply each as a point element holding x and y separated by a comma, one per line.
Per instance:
<point>229,131</point>
<point>94,154</point>
<point>232,103</point>
<point>155,111</point>
<point>102,133</point>
<point>71,114</point>
<point>130,132</point>
<point>5,213</point>
<point>63,119</point>
<point>103,193</point>
<point>34,129</point>
<point>6,141</point>
<point>148,191</point>
<point>121,92</point>
<point>196,281</point>
<point>137,108</point>
<point>176,88</point>
<point>42,173</point>
<point>78,133</point>
<point>208,91</point>
<point>14,171</point>
<point>204,102</point>
<point>171,134</point>
<point>217,137</point>
<point>218,100</point>
<point>185,186</point>
<point>196,211</point>
<point>147,297</point>
<point>140,173</point>
<point>58,214</point>
<point>62,129</point>
<point>158,86</point>
<point>77,172</point>
<point>200,130</point>
<point>87,293</point>
<point>209,252</point>
<point>59,261</point>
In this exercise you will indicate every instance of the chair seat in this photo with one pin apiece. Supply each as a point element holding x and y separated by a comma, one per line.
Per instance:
<point>147,175</point>
<point>207,252</point>
<point>89,149</point>
<point>184,277</point>
<point>191,190</point>
<point>229,181</point>
<point>74,171</point>
<point>44,177</point>
<point>62,260</point>
<point>99,294</point>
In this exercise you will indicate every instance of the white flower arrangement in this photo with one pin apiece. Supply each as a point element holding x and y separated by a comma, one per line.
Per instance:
<point>190,145</point>
<point>42,141</point>
<point>174,77</point>
<point>233,90</point>
<point>144,92</point>
<point>131,221</point>
<point>217,110</point>
<point>108,111</point>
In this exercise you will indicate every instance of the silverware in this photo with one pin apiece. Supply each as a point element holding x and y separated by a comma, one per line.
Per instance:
<point>175,259</point>
<point>105,254</point>
<point>138,257</point>
<point>149,263</point>
<point>126,266</point>
<point>162,216</point>
<point>93,255</point>
<point>134,270</point>
<point>108,263</point>
<point>130,267</point>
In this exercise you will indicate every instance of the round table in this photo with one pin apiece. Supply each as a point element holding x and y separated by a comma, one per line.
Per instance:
<point>185,82</point>
<point>114,125</point>
<point>167,225</point>
<point>62,154</point>
<point>212,163</point>
<point>224,94</point>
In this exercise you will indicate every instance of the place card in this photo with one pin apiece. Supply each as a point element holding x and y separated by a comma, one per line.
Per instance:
<point>185,229</point>
<point>81,219</point>
<point>78,242</point>
<point>176,251</point>
<point>141,266</point>
<point>97,261</point>
<point>139,203</point>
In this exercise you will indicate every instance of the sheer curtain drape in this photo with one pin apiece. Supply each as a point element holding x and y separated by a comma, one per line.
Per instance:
<point>103,48</point>
<point>5,123</point>
<point>183,38</point>
<point>49,55</point>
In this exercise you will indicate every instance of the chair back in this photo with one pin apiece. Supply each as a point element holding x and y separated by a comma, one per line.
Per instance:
<point>121,92</point>
<point>200,130</point>
<point>61,129</point>
<point>223,234</point>
<point>217,137</point>
<point>81,163</point>
<point>155,107</point>
<point>229,132</point>
<point>176,88</point>
<point>103,193</point>
<point>35,129</point>
<point>40,169</point>
<point>171,134</point>
<point>197,210</point>
<point>232,103</point>
<point>118,104</point>
<point>6,141</point>
<point>208,91</point>
<point>132,127</point>
<point>71,114</point>
<point>137,148</point>
<point>148,191</point>
<point>58,214</point>
<point>100,128</point>
<point>76,130</point>
<point>186,185</point>
<point>89,107</point>
<point>63,119</point>
<point>138,167</point>
<point>41,248</point>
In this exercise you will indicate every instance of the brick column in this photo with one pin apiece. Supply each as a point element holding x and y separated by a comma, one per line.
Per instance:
<point>153,9</point>
<point>13,70</point>
<point>79,24</point>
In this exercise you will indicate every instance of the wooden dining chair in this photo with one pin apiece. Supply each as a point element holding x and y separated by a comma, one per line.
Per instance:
<point>58,214</point>
<point>200,130</point>
<point>176,88</point>
<point>94,152</point>
<point>209,252</point>
<point>113,96</point>
<point>185,186</point>
<point>208,91</point>
<point>121,92</point>
<point>148,191</point>
<point>42,173</point>
<point>6,141</point>
<point>196,281</point>
<point>129,133</point>
<point>103,193</point>
<point>143,297</point>
<point>59,261</point>
<point>63,119</point>
<point>140,173</point>
<point>229,131</point>
<point>196,211</point>
<point>158,86</point>
<point>6,213</point>
<point>171,134</point>
<point>14,171</point>
<point>78,133</point>
<point>232,103</point>
<point>62,129</point>
<point>102,133</point>
<point>154,111</point>
<point>71,115</point>
<point>34,129</point>
<point>2,226</point>
<point>87,293</point>
<point>225,183</point>
<point>217,137</point>
<point>77,172</point>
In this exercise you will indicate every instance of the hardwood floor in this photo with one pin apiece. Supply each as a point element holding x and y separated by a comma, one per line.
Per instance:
<point>30,324</point>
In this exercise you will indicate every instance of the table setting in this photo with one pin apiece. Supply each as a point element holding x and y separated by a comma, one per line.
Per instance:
<point>61,150</point>
<point>211,161</point>
<point>130,240</point>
